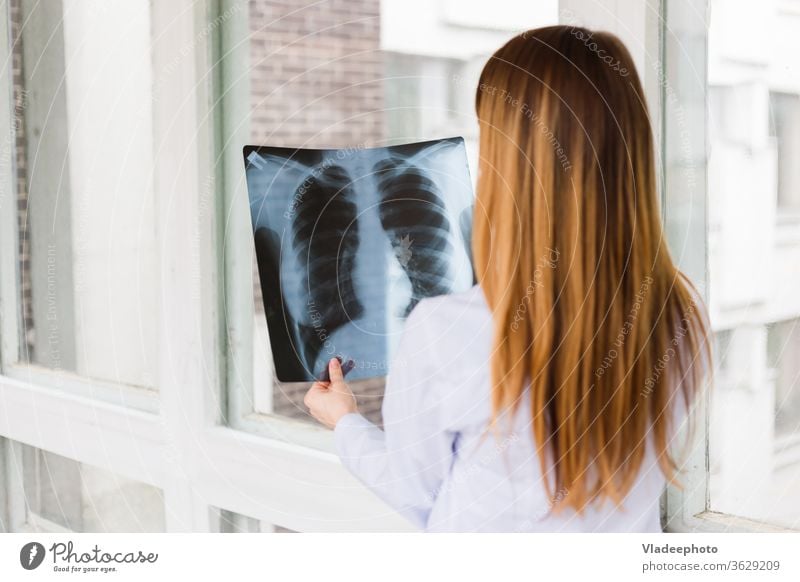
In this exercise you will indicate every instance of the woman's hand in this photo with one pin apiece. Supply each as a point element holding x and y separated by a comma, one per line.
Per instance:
<point>330,401</point>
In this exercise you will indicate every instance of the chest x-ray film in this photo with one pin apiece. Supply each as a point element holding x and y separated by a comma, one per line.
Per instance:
<point>349,241</point>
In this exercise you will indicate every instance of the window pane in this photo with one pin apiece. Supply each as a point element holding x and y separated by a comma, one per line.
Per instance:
<point>62,493</point>
<point>785,129</point>
<point>754,260</point>
<point>371,73</point>
<point>783,346</point>
<point>83,96</point>
<point>232,522</point>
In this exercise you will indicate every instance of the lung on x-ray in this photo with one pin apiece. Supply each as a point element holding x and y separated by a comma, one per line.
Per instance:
<point>348,241</point>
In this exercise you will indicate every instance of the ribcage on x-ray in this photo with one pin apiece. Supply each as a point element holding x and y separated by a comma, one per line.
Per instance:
<point>413,214</point>
<point>325,237</point>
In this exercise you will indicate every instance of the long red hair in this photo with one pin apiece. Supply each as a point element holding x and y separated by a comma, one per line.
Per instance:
<point>590,312</point>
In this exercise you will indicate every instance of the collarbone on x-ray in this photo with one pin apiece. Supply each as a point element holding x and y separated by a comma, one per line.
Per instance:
<point>349,241</point>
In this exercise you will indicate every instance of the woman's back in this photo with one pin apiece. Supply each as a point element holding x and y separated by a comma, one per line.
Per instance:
<point>495,482</point>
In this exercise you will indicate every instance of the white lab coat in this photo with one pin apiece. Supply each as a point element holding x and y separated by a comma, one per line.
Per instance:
<point>434,463</point>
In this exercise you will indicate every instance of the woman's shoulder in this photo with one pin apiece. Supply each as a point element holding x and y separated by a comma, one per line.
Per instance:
<point>453,330</point>
<point>453,310</point>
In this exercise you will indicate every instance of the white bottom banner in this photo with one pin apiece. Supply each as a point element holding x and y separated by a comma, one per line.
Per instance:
<point>380,557</point>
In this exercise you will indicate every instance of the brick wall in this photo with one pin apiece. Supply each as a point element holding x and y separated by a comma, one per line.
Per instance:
<point>316,73</point>
<point>316,81</point>
<point>20,103</point>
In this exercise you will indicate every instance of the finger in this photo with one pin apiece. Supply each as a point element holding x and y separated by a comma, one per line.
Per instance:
<point>320,386</point>
<point>335,369</point>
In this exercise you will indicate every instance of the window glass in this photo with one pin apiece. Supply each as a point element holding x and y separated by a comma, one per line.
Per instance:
<point>754,260</point>
<point>232,522</point>
<point>783,346</point>
<point>84,159</point>
<point>785,129</point>
<point>60,493</point>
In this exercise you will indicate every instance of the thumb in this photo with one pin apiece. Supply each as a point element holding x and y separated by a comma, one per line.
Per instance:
<point>335,370</point>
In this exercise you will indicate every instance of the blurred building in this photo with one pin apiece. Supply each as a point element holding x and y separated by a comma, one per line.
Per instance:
<point>754,256</point>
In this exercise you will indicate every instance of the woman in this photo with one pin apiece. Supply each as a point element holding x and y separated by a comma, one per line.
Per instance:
<point>547,397</point>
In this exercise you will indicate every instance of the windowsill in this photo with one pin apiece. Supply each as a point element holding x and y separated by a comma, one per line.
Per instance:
<point>714,522</point>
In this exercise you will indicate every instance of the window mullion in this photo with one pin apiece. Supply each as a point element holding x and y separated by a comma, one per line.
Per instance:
<point>684,159</point>
<point>188,362</point>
